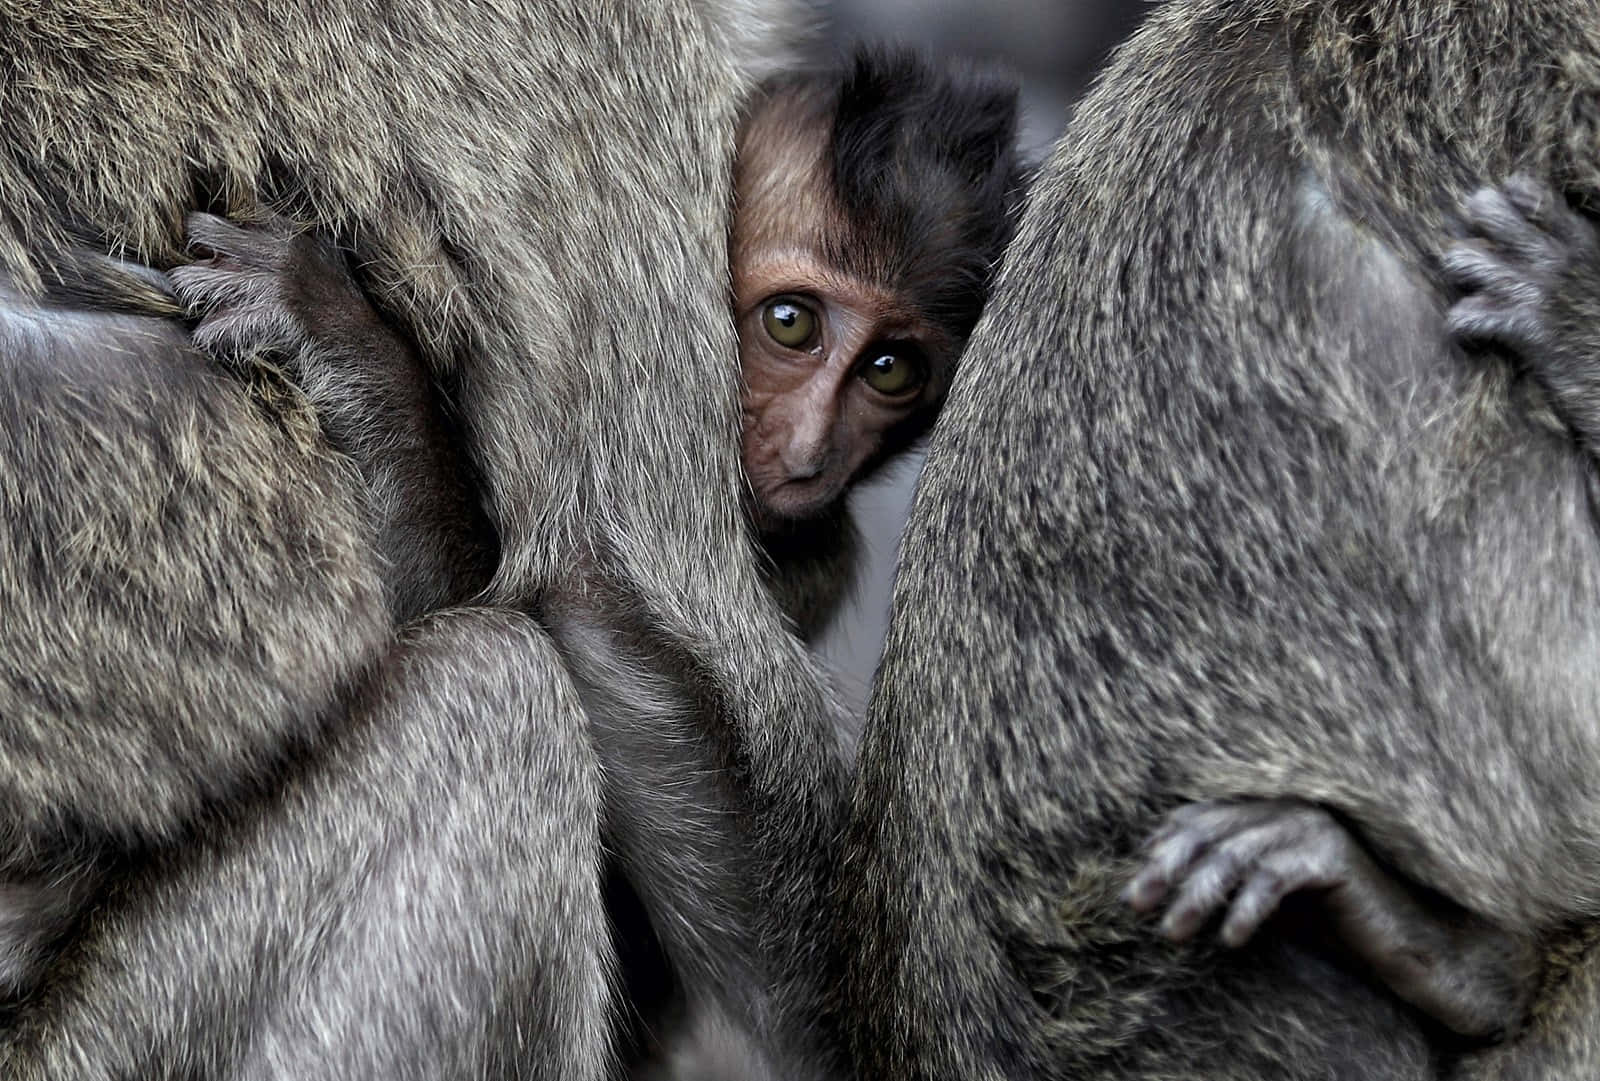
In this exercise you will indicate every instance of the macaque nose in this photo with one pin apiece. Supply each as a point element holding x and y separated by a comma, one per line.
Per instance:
<point>804,460</point>
<point>813,413</point>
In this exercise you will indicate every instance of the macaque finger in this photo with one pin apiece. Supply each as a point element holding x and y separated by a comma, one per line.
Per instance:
<point>1491,215</point>
<point>1211,882</point>
<point>239,333</point>
<point>1543,206</point>
<point>1535,200</point>
<point>1313,857</point>
<point>1167,860</point>
<point>254,248</point>
<point>1483,318</point>
<point>1473,268</point>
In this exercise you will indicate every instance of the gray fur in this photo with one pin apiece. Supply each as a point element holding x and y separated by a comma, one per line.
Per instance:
<point>136,697</point>
<point>1530,272</point>
<point>414,890</point>
<point>364,921</point>
<point>1274,538</point>
<point>813,568</point>
<point>280,907</point>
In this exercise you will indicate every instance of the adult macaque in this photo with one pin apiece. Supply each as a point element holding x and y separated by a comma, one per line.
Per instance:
<point>334,849</point>
<point>1222,540</point>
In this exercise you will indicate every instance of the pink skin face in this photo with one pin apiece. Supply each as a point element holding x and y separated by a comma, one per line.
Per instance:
<point>831,365</point>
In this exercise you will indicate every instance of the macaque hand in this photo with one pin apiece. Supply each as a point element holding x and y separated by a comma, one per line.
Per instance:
<point>1523,241</point>
<point>269,288</point>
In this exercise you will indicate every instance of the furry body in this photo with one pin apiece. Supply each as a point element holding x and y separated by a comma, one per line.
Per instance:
<point>1276,537</point>
<point>485,165</point>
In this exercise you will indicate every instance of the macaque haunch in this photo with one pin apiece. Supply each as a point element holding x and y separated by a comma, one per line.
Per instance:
<point>872,205</point>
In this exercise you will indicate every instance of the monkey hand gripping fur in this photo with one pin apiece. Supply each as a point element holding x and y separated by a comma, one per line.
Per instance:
<point>1242,861</point>
<point>284,292</point>
<point>1530,271</point>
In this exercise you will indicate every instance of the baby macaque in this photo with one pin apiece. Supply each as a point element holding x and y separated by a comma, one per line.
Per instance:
<point>873,203</point>
<point>872,206</point>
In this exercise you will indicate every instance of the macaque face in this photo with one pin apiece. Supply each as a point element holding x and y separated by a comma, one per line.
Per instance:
<point>834,369</point>
<point>870,208</point>
<point>839,362</point>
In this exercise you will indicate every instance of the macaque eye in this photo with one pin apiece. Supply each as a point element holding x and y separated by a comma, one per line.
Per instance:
<point>789,323</point>
<point>894,373</point>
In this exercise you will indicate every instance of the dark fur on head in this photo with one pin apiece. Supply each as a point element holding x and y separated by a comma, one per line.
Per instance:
<point>924,169</point>
<point>925,166</point>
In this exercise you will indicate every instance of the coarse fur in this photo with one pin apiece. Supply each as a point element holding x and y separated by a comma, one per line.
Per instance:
<point>410,887</point>
<point>1218,511</point>
<point>189,562</point>
<point>1529,270</point>
<point>265,289</point>
<point>288,300</point>
<point>136,696</point>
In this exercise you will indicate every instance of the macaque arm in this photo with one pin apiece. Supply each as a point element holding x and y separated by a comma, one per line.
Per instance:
<point>1237,861</point>
<point>269,289</point>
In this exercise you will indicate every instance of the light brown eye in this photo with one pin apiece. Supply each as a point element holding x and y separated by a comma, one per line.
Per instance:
<point>893,372</point>
<point>789,323</point>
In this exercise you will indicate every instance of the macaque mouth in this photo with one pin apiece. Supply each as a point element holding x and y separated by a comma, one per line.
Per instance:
<point>797,500</point>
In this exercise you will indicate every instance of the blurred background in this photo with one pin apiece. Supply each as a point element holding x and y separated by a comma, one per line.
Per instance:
<point>1053,47</point>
